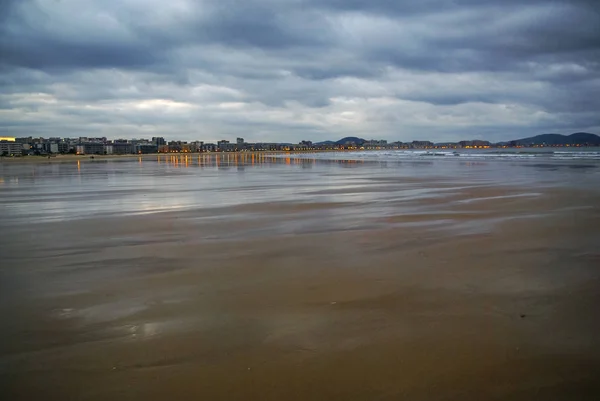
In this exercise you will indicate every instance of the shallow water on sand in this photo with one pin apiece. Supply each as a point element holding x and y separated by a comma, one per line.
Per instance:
<point>278,277</point>
<point>94,188</point>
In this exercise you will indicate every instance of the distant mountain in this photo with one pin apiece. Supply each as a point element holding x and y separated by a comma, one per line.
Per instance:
<point>584,137</point>
<point>579,138</point>
<point>343,141</point>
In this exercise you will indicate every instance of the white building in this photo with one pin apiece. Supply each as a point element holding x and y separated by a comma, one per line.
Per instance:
<point>10,148</point>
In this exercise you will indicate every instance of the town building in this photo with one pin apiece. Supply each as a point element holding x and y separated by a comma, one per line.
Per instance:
<point>90,148</point>
<point>209,147</point>
<point>158,141</point>
<point>9,147</point>
<point>145,148</point>
<point>474,144</point>
<point>225,146</point>
<point>196,146</point>
<point>421,144</point>
<point>177,146</point>
<point>119,147</point>
<point>375,144</point>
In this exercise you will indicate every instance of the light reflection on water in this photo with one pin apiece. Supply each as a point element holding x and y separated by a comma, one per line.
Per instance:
<point>87,188</point>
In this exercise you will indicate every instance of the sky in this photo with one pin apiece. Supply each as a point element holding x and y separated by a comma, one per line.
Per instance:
<point>285,71</point>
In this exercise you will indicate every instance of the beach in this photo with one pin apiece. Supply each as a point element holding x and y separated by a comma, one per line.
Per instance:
<point>301,277</point>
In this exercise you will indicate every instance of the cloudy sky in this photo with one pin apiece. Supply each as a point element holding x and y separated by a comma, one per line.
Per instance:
<point>275,70</point>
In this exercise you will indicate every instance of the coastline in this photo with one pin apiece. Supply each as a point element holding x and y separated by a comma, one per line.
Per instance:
<point>581,154</point>
<point>69,157</point>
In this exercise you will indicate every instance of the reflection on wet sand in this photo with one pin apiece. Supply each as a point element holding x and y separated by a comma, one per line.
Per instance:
<point>236,159</point>
<point>266,277</point>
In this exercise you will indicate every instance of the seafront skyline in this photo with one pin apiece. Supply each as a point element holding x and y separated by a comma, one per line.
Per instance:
<point>10,146</point>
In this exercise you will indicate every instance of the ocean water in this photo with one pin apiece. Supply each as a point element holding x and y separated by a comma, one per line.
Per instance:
<point>534,154</point>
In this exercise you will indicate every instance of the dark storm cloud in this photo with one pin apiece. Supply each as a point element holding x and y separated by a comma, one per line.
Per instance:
<point>247,24</point>
<point>40,37</point>
<point>429,35</point>
<point>488,37</point>
<point>328,67</point>
<point>32,37</point>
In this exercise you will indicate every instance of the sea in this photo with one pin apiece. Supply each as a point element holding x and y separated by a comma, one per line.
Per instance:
<point>536,154</point>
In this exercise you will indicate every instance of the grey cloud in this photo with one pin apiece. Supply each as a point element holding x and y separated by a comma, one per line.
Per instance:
<point>416,8</point>
<point>498,38</point>
<point>281,68</point>
<point>32,38</point>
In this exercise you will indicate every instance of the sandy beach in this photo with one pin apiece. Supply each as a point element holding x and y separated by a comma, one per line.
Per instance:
<point>274,278</point>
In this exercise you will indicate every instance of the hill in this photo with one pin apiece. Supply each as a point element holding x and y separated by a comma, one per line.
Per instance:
<point>578,138</point>
<point>351,139</point>
<point>343,141</point>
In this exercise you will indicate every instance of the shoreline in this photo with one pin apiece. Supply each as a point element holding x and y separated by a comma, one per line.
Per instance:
<point>69,157</point>
<point>30,159</point>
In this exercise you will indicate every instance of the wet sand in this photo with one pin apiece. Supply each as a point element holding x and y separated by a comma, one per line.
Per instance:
<point>300,281</point>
